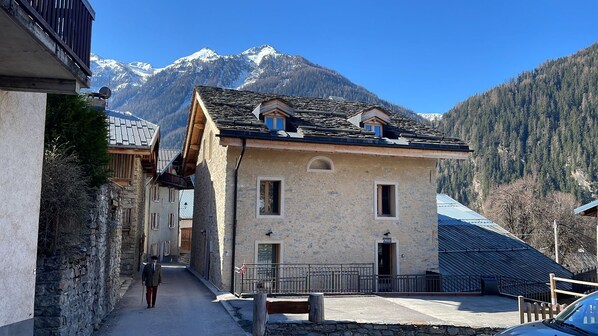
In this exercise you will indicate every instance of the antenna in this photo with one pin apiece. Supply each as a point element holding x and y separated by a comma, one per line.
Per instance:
<point>105,92</point>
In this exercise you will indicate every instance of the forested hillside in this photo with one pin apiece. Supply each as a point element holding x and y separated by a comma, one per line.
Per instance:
<point>544,123</point>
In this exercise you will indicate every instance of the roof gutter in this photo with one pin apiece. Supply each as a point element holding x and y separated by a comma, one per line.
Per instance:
<point>234,250</point>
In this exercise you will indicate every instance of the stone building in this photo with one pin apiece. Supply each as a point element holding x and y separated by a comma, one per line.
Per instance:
<point>37,58</point>
<point>133,146</point>
<point>162,208</point>
<point>290,180</point>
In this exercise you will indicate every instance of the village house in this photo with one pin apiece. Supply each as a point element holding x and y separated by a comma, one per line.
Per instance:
<point>162,208</point>
<point>133,147</point>
<point>38,56</point>
<point>292,180</point>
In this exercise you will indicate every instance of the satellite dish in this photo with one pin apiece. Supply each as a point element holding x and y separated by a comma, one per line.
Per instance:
<point>105,92</point>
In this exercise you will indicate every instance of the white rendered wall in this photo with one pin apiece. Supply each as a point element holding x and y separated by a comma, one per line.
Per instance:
<point>22,118</point>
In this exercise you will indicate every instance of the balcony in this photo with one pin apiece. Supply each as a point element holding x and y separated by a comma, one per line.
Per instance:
<point>45,45</point>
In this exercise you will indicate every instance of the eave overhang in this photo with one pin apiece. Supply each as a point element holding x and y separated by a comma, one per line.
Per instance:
<point>327,145</point>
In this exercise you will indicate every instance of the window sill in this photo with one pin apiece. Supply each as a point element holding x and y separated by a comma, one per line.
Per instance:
<point>384,218</point>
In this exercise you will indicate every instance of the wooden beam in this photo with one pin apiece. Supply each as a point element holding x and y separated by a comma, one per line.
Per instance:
<point>45,85</point>
<point>345,149</point>
<point>129,151</point>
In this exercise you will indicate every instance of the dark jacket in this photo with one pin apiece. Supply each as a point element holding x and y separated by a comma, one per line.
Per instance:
<point>151,277</point>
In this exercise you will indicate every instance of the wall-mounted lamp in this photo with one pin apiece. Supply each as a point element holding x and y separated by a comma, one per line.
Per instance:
<point>387,233</point>
<point>269,233</point>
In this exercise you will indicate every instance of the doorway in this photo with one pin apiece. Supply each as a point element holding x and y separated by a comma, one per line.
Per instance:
<point>268,258</point>
<point>387,264</point>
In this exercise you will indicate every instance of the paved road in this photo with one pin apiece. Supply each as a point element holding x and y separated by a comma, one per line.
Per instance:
<point>184,306</point>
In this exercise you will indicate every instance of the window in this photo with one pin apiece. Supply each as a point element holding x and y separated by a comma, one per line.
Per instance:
<point>386,201</point>
<point>320,164</point>
<point>376,128</point>
<point>127,217</point>
<point>155,191</point>
<point>171,222</point>
<point>154,249</point>
<point>166,247</point>
<point>270,197</point>
<point>155,221</point>
<point>171,195</point>
<point>275,122</point>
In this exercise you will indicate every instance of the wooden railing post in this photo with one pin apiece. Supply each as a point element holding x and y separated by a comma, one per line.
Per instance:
<point>552,290</point>
<point>520,305</point>
<point>260,315</point>
<point>316,307</point>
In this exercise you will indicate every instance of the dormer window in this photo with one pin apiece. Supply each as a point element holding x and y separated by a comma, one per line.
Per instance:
<point>274,113</point>
<point>275,123</point>
<point>373,127</point>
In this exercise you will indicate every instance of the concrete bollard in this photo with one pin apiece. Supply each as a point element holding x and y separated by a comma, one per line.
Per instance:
<point>316,307</point>
<point>260,316</point>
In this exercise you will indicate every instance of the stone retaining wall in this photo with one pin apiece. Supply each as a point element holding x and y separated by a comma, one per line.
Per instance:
<point>77,288</point>
<point>331,328</point>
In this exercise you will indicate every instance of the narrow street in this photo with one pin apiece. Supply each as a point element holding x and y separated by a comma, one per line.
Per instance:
<point>184,306</point>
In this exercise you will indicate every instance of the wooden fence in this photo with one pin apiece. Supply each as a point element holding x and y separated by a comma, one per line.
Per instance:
<point>536,310</point>
<point>532,310</point>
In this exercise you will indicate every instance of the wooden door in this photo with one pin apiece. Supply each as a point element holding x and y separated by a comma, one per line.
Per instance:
<point>186,239</point>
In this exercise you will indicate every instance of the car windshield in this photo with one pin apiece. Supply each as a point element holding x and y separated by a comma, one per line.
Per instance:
<point>582,314</point>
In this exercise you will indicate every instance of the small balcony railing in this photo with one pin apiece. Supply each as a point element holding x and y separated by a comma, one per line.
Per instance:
<point>68,23</point>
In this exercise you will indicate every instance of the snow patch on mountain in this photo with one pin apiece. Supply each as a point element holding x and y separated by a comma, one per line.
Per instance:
<point>204,55</point>
<point>433,117</point>
<point>257,54</point>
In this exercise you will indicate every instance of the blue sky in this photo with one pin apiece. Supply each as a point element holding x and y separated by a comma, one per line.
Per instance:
<point>424,55</point>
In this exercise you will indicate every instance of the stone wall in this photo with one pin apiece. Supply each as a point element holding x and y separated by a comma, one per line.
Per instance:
<point>133,197</point>
<point>77,288</point>
<point>369,329</point>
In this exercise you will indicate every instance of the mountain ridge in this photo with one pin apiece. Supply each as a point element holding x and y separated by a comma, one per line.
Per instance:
<point>163,95</point>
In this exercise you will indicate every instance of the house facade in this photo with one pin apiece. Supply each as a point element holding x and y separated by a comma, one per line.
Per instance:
<point>133,147</point>
<point>35,60</point>
<point>291,180</point>
<point>162,208</point>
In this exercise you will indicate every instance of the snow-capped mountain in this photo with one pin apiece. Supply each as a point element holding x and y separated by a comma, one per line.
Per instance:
<point>163,95</point>
<point>431,117</point>
<point>117,75</point>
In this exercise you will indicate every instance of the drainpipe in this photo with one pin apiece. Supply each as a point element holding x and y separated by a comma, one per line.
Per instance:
<point>232,273</point>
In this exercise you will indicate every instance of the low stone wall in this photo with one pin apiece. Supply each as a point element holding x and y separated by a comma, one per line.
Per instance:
<point>331,328</point>
<point>77,288</point>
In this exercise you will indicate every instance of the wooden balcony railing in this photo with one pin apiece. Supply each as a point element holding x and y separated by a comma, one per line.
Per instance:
<point>68,23</point>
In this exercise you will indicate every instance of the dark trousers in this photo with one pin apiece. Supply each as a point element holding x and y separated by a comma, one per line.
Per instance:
<point>150,294</point>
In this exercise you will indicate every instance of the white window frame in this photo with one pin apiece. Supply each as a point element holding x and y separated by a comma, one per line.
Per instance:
<point>372,127</point>
<point>171,221</point>
<point>171,195</point>
<point>322,158</point>
<point>269,242</point>
<point>396,199</point>
<point>155,221</point>
<point>154,250</point>
<point>155,191</point>
<point>166,248</point>
<point>274,118</point>
<point>257,196</point>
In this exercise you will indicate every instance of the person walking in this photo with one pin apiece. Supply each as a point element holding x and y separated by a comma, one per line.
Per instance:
<point>151,279</point>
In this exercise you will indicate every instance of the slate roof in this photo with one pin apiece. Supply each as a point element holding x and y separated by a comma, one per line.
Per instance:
<point>129,131</point>
<point>165,158</point>
<point>317,120</point>
<point>470,244</point>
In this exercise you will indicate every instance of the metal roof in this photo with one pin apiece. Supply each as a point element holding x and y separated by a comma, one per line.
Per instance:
<point>470,244</point>
<point>186,204</point>
<point>589,209</point>
<point>165,158</point>
<point>126,130</point>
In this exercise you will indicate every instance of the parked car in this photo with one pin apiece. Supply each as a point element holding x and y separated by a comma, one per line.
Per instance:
<point>580,318</point>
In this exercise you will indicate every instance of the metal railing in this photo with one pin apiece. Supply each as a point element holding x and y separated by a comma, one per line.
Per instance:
<point>302,278</point>
<point>539,291</point>
<point>68,23</point>
<point>360,278</point>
